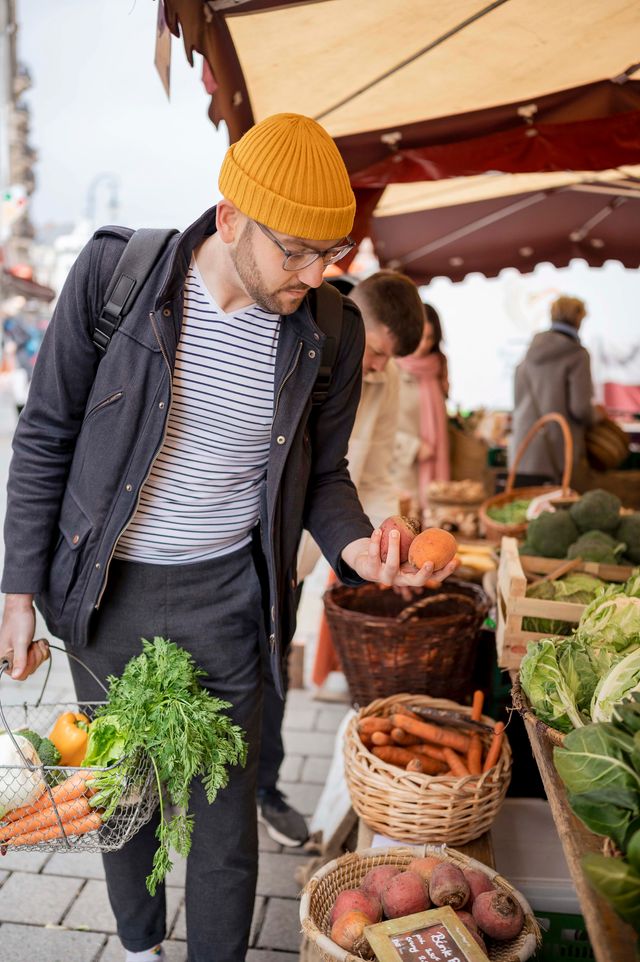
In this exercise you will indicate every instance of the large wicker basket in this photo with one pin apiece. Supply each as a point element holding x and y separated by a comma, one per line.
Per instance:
<point>416,808</point>
<point>386,645</point>
<point>494,530</point>
<point>521,704</point>
<point>348,872</point>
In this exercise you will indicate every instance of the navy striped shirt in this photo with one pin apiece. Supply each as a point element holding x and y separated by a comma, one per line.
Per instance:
<point>200,499</point>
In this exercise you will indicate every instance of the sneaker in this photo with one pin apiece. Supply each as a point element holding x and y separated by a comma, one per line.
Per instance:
<point>283,823</point>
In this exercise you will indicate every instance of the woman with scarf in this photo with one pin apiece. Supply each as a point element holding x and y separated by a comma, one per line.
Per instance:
<point>422,441</point>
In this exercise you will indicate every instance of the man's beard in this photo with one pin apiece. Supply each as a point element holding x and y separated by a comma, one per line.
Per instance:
<point>276,302</point>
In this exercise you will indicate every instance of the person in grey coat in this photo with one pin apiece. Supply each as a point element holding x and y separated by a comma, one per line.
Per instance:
<point>555,375</point>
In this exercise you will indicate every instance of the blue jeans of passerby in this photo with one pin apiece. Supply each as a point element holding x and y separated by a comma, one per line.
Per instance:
<point>214,610</point>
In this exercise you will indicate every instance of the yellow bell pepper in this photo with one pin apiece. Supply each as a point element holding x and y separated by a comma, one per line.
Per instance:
<point>70,735</point>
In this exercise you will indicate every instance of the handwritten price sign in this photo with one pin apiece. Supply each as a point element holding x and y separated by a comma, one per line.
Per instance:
<point>434,936</point>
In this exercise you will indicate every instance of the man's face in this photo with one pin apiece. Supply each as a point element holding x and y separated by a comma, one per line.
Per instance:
<point>379,347</point>
<point>258,262</point>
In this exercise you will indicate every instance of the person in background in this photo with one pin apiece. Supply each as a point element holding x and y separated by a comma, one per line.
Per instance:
<point>555,375</point>
<point>422,441</point>
<point>393,320</point>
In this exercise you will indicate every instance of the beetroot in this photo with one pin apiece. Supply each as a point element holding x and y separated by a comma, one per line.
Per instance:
<point>357,901</point>
<point>498,914</point>
<point>348,932</point>
<point>404,894</point>
<point>424,867</point>
<point>408,528</point>
<point>478,882</point>
<point>448,886</point>
<point>376,878</point>
<point>467,919</point>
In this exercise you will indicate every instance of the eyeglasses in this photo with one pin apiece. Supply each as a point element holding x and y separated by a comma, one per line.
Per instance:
<point>298,260</point>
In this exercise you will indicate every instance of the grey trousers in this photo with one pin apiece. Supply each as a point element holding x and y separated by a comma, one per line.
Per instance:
<point>213,609</point>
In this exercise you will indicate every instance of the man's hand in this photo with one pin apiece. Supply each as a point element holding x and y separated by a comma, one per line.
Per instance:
<point>364,557</point>
<point>16,635</point>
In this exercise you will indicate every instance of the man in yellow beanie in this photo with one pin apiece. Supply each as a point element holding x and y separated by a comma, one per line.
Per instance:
<point>173,446</point>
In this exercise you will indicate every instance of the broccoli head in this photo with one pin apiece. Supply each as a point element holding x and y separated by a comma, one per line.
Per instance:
<point>629,531</point>
<point>551,533</point>
<point>49,754</point>
<point>597,546</point>
<point>596,511</point>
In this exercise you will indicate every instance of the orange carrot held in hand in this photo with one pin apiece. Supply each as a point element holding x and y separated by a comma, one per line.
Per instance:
<point>495,747</point>
<point>432,733</point>
<point>77,826</point>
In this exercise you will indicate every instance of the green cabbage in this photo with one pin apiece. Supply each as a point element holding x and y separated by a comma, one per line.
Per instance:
<point>617,684</point>
<point>576,587</point>
<point>612,620</point>
<point>544,683</point>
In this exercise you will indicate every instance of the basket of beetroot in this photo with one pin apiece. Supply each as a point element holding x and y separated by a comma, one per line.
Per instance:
<point>357,890</point>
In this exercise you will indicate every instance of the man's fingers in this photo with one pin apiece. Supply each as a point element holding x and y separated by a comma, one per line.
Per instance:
<point>439,576</point>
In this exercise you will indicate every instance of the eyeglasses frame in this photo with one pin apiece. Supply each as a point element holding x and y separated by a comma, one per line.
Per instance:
<point>343,248</point>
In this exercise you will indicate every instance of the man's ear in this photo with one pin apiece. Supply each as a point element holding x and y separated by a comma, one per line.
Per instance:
<point>229,221</point>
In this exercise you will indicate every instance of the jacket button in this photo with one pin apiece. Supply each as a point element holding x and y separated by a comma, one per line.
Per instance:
<point>128,487</point>
<point>281,439</point>
<point>98,566</point>
<point>317,337</point>
<point>161,405</point>
<point>76,538</point>
<point>272,641</point>
<point>312,354</point>
<point>167,312</point>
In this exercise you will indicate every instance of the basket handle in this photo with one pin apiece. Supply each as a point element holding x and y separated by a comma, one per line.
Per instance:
<point>542,422</point>
<point>443,596</point>
<point>6,663</point>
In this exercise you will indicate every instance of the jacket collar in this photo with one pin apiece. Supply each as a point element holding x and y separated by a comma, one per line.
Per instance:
<point>179,258</point>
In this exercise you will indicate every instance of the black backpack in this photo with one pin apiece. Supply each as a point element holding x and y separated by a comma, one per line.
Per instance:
<point>138,260</point>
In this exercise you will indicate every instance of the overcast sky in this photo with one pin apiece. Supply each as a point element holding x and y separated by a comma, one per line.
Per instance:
<point>98,106</point>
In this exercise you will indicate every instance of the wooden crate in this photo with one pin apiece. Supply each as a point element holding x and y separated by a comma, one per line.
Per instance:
<point>515,571</point>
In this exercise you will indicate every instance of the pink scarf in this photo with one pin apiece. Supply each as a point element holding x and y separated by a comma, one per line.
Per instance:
<point>428,371</point>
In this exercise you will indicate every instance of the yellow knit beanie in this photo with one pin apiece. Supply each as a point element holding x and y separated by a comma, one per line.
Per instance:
<point>287,173</point>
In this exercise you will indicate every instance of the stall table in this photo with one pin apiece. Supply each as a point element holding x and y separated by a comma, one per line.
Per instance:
<point>612,940</point>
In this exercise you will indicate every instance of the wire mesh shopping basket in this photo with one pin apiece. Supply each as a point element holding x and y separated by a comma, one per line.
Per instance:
<point>56,808</point>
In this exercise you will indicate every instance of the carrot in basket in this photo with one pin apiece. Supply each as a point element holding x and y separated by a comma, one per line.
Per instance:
<point>77,826</point>
<point>476,707</point>
<point>401,737</point>
<point>371,723</point>
<point>495,747</point>
<point>415,765</point>
<point>401,757</point>
<point>432,733</point>
<point>400,709</point>
<point>431,751</point>
<point>68,811</point>
<point>73,787</point>
<point>455,763</point>
<point>474,755</point>
<point>380,738</point>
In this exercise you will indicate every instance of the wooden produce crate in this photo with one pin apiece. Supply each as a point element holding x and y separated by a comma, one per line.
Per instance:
<point>515,572</point>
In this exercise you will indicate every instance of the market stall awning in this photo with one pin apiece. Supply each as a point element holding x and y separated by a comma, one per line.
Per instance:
<point>455,227</point>
<point>12,284</point>
<point>390,76</point>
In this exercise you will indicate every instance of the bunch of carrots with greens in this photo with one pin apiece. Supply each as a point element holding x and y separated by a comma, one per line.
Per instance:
<point>429,747</point>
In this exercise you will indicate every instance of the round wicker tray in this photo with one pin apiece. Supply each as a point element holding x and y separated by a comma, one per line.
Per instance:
<point>348,872</point>
<point>412,807</point>
<point>522,706</point>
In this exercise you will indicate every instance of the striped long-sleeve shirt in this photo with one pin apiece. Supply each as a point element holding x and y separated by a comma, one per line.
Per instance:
<point>201,497</point>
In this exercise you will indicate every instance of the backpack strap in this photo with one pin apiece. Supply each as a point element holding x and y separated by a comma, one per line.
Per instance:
<point>132,270</point>
<point>329,306</point>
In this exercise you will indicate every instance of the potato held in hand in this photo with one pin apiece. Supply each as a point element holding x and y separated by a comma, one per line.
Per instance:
<point>408,529</point>
<point>434,545</point>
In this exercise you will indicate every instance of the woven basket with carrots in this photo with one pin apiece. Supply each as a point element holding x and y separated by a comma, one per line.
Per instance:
<point>421,769</point>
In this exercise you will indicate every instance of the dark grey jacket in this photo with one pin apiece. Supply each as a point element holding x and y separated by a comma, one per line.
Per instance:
<point>555,375</point>
<point>90,432</point>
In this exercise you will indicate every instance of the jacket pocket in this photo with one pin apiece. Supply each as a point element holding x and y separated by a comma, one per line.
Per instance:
<point>105,402</point>
<point>74,528</point>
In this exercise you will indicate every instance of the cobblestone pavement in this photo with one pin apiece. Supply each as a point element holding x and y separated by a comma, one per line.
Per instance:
<point>54,908</point>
